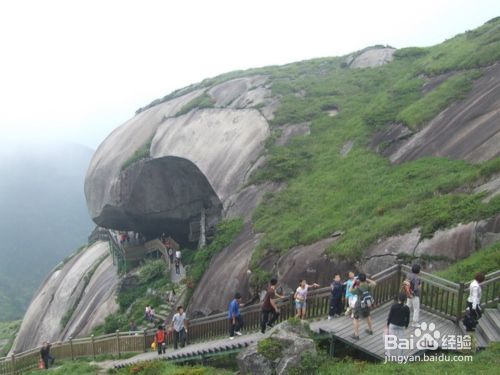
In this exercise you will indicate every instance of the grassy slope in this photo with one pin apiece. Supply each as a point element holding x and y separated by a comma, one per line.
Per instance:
<point>362,194</point>
<point>485,362</point>
<point>8,332</point>
<point>487,260</point>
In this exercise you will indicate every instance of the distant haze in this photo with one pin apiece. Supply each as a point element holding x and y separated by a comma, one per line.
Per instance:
<point>75,70</point>
<point>43,216</point>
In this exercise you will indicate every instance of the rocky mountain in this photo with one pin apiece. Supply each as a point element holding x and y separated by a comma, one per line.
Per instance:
<point>43,217</point>
<point>75,297</point>
<point>333,163</point>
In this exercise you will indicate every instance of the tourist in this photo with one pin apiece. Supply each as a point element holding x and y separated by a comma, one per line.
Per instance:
<point>473,312</point>
<point>350,297</point>
<point>179,327</point>
<point>413,300</point>
<point>397,321</point>
<point>300,298</point>
<point>177,266</point>
<point>178,255</point>
<point>269,307</point>
<point>336,297</point>
<point>132,326</point>
<point>161,345</point>
<point>147,312</point>
<point>363,288</point>
<point>45,355</point>
<point>235,319</point>
<point>170,252</point>
<point>152,314</point>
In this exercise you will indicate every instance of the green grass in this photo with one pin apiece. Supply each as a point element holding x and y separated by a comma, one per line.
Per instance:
<point>152,274</point>
<point>425,108</point>
<point>77,367</point>
<point>486,260</point>
<point>165,368</point>
<point>485,362</point>
<point>202,101</point>
<point>362,194</point>
<point>143,152</point>
<point>8,331</point>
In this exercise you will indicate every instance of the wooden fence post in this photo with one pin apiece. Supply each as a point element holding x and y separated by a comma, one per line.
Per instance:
<point>14,362</point>
<point>71,348</point>
<point>460,300</point>
<point>118,341</point>
<point>145,342</point>
<point>93,346</point>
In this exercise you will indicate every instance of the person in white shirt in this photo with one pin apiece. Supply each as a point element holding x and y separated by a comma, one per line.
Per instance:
<point>178,254</point>
<point>300,297</point>
<point>474,299</point>
<point>179,327</point>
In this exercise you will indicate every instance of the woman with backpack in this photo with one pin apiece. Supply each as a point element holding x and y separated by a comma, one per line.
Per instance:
<point>363,288</point>
<point>473,312</point>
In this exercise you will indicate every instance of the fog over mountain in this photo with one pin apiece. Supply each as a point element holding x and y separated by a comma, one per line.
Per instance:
<point>43,217</point>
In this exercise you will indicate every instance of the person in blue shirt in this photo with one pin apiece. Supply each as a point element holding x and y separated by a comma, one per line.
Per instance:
<point>349,296</point>
<point>235,319</point>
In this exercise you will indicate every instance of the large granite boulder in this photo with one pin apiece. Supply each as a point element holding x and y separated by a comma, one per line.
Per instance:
<point>160,169</point>
<point>85,286</point>
<point>465,130</point>
<point>280,350</point>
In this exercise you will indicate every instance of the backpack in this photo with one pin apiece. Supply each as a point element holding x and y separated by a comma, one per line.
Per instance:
<point>407,288</point>
<point>367,300</point>
<point>469,321</point>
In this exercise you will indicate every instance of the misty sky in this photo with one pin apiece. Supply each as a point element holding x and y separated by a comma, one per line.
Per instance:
<point>75,70</point>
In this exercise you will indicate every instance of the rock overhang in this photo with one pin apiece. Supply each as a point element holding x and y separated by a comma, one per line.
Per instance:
<point>196,161</point>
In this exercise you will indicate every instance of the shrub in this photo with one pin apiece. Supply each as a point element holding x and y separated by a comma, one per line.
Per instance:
<point>200,102</point>
<point>270,348</point>
<point>143,152</point>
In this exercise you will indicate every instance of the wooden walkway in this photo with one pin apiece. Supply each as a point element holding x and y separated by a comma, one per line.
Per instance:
<point>341,329</point>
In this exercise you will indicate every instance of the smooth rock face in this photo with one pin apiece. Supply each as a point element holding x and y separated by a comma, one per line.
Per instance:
<point>294,341</point>
<point>373,57</point>
<point>306,262</point>
<point>444,248</point>
<point>222,143</point>
<point>466,130</point>
<point>384,254</point>
<point>226,275</point>
<point>60,292</point>
<point>98,301</point>
<point>197,160</point>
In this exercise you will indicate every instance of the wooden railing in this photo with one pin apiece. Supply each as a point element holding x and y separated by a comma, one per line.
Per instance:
<point>438,295</point>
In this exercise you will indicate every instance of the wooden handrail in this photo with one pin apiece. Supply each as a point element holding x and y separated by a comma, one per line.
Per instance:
<point>429,276</point>
<point>439,295</point>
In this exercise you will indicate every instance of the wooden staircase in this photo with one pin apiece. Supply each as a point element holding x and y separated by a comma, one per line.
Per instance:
<point>488,327</point>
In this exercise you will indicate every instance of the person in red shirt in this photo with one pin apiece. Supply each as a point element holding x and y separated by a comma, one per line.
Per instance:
<point>161,345</point>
